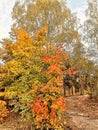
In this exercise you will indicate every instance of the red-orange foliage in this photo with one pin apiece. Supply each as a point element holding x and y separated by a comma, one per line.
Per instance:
<point>48,102</point>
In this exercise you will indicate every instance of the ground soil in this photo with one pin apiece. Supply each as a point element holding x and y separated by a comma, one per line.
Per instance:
<point>81,114</point>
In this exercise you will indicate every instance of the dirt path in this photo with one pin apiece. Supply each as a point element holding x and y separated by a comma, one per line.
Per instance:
<point>83,112</point>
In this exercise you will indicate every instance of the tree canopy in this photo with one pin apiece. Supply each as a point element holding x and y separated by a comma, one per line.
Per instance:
<point>90,36</point>
<point>33,15</point>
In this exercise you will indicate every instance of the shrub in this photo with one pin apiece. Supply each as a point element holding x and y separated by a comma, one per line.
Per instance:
<point>3,110</point>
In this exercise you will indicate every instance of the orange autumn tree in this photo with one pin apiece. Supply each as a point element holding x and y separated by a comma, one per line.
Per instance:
<point>48,102</point>
<point>32,79</point>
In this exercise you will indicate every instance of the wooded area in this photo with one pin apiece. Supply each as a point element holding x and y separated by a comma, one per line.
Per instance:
<point>49,56</point>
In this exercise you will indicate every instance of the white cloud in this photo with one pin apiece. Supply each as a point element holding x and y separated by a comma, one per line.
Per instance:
<point>5,17</point>
<point>80,14</point>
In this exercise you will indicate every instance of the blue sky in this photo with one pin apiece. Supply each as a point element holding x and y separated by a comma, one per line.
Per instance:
<point>6,8</point>
<point>76,4</point>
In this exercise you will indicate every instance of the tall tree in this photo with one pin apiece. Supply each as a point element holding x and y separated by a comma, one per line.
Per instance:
<point>91,29</point>
<point>92,21</point>
<point>33,15</point>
